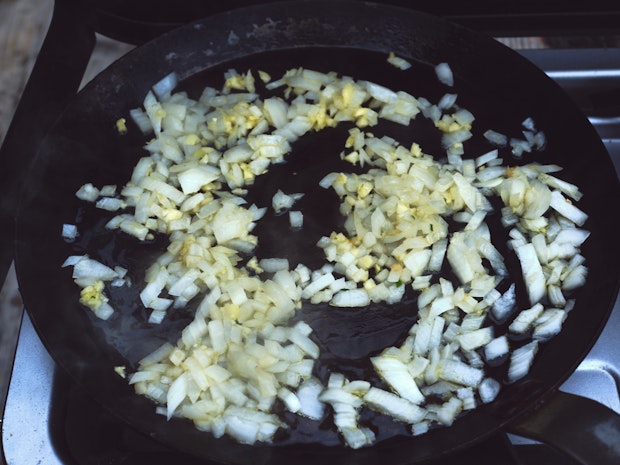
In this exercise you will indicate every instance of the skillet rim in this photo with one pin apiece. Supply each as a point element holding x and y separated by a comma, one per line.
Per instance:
<point>99,83</point>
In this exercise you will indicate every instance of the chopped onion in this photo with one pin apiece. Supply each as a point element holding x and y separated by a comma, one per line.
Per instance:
<point>351,298</point>
<point>296,219</point>
<point>532,271</point>
<point>164,87</point>
<point>567,209</point>
<point>92,269</point>
<point>521,360</point>
<point>475,339</point>
<point>393,405</point>
<point>549,324</point>
<point>396,374</point>
<point>398,62</point>
<point>496,348</point>
<point>444,74</point>
<point>447,101</point>
<point>87,192</point>
<point>282,201</point>
<point>526,318</point>
<point>272,265</point>
<point>69,231</point>
<point>459,372</point>
<point>194,178</point>
<point>408,217</point>
<point>110,204</point>
<point>488,390</point>
<point>496,138</point>
<point>308,395</point>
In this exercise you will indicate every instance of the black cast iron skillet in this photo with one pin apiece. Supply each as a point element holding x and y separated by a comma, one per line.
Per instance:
<point>496,84</point>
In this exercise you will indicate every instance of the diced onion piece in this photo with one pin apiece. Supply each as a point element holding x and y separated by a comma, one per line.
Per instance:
<point>157,355</point>
<point>420,428</point>
<point>291,401</point>
<point>448,412</point>
<point>393,405</point>
<point>304,343</point>
<point>158,315</point>
<point>573,236</point>
<point>496,348</point>
<point>398,62</point>
<point>488,390</point>
<point>521,360</point>
<point>110,203</point>
<point>151,291</point>
<point>308,395</point>
<point>273,265</point>
<point>496,138</point>
<point>560,204</point>
<point>504,306</point>
<point>176,394</point>
<point>464,260</point>
<point>133,228</point>
<point>104,311</point>
<point>575,278</point>
<point>486,158</point>
<point>351,298</point>
<point>380,93</point>
<point>328,180</point>
<point>71,260</point>
<point>230,222</point>
<point>519,146</point>
<point>396,374</point>
<point>249,426</point>
<point>358,437</point>
<point>108,190</point>
<point>459,372</point>
<point>193,179</point>
<point>92,269</point>
<point>532,271</point>
<point>565,187</point>
<point>551,324</point>
<point>276,111</point>
<point>438,251</point>
<point>282,201</point>
<point>141,119</point>
<point>447,101</point>
<point>87,192</point>
<point>318,284</point>
<point>165,86</point>
<point>444,74</point>
<point>526,319</point>
<point>296,219</point>
<point>69,231</point>
<point>475,339</point>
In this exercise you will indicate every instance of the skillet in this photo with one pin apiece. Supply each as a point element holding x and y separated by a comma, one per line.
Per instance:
<point>497,85</point>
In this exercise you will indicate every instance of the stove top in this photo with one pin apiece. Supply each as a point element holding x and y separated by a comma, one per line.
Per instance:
<point>50,421</point>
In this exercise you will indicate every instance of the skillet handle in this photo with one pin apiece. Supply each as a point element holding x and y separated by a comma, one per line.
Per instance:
<point>66,49</point>
<point>582,428</point>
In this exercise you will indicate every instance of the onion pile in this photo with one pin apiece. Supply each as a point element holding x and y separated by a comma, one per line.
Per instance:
<point>240,357</point>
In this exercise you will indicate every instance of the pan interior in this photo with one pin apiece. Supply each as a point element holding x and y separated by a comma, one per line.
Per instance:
<point>84,147</point>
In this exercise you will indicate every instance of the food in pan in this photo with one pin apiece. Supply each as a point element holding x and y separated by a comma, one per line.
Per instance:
<point>413,222</point>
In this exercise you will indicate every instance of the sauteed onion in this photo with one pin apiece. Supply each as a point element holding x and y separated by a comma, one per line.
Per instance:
<point>408,218</point>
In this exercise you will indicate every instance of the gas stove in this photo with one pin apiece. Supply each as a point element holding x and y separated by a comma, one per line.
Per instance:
<point>51,421</point>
